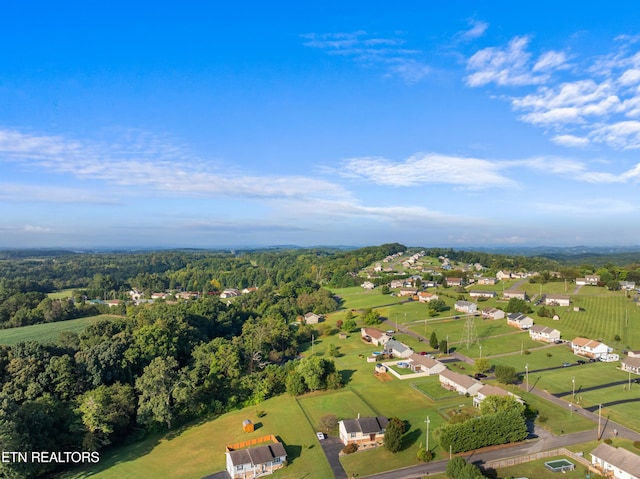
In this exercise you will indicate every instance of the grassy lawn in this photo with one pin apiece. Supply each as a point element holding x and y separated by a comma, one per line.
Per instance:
<point>432,388</point>
<point>199,450</point>
<point>48,332</point>
<point>63,293</point>
<point>539,471</point>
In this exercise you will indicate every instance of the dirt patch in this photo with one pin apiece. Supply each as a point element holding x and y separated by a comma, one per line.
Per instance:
<point>384,377</point>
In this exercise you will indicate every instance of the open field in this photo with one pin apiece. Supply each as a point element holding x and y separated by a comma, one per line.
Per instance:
<point>536,469</point>
<point>63,293</point>
<point>48,332</point>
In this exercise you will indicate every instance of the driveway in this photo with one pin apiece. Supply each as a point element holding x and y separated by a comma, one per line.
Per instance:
<point>332,447</point>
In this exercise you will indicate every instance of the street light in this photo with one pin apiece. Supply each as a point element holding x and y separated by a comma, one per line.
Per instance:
<point>428,421</point>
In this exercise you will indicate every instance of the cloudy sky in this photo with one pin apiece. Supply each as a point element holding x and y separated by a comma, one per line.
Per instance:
<point>318,123</point>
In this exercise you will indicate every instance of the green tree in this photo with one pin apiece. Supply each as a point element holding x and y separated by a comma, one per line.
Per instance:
<point>444,346</point>
<point>517,305</point>
<point>495,404</point>
<point>349,325</point>
<point>157,388</point>
<point>393,434</point>
<point>506,374</point>
<point>384,289</point>
<point>433,341</point>
<point>371,317</point>
<point>295,384</point>
<point>482,365</point>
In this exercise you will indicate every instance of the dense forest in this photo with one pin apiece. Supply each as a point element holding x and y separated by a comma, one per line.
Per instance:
<point>164,363</point>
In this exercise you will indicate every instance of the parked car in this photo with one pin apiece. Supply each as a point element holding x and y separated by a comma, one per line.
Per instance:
<point>564,365</point>
<point>320,435</point>
<point>592,360</point>
<point>580,361</point>
<point>479,375</point>
<point>390,331</point>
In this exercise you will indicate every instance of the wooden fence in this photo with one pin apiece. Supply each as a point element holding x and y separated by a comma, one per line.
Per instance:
<point>251,442</point>
<point>512,461</point>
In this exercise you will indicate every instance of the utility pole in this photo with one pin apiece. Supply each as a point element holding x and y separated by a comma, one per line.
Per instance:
<point>428,421</point>
<point>526,368</point>
<point>599,418</point>
<point>312,343</point>
<point>573,390</point>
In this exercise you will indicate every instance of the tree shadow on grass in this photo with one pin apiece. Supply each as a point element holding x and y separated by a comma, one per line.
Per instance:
<point>293,452</point>
<point>410,438</point>
<point>346,375</point>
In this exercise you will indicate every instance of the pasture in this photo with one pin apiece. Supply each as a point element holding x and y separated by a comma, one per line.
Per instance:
<point>48,332</point>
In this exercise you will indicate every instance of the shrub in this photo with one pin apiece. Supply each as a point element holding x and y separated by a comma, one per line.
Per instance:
<point>350,448</point>
<point>608,441</point>
<point>424,455</point>
<point>542,419</point>
<point>636,444</point>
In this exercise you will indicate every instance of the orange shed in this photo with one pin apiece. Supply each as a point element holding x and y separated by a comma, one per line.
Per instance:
<point>247,426</point>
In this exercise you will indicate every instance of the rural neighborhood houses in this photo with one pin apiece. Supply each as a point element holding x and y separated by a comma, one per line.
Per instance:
<point>363,430</point>
<point>425,297</point>
<point>424,364</point>
<point>631,364</point>
<point>519,320</point>
<point>492,313</point>
<point>398,349</point>
<point>544,333</point>
<point>313,318</point>
<point>455,281</point>
<point>591,279</point>
<point>593,349</point>
<point>255,461</point>
<point>483,294</point>
<point>465,307</point>
<point>557,300</point>
<point>459,382</point>
<point>375,336</point>
<point>512,293</point>
<point>615,462</point>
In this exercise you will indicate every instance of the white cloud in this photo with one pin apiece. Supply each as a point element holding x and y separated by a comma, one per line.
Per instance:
<point>590,207</point>
<point>472,173</point>
<point>623,135</point>
<point>147,162</point>
<point>385,54</point>
<point>551,60</point>
<point>36,229</point>
<point>476,30</point>
<point>20,193</point>
<point>570,141</point>
<point>510,66</point>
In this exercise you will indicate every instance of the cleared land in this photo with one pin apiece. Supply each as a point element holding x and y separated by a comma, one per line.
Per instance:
<point>48,332</point>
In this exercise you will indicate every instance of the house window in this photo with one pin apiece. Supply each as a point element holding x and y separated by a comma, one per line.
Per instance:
<point>240,467</point>
<point>353,435</point>
<point>276,460</point>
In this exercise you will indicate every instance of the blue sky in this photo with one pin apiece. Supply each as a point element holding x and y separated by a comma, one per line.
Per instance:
<point>204,124</point>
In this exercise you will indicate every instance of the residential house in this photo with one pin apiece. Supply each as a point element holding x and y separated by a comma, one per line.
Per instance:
<point>483,294</point>
<point>424,364</point>
<point>488,281</point>
<point>544,333</point>
<point>492,313</point>
<point>313,318</point>
<point>455,281</point>
<point>251,289</point>
<point>589,279</point>
<point>136,295</point>
<point>465,307</point>
<point>634,353</point>
<point>188,295</point>
<point>557,300</point>
<point>459,382</point>
<point>627,285</point>
<point>377,337</point>
<point>501,275</point>
<point>398,349</point>
<point>631,364</point>
<point>230,293</point>
<point>519,320</point>
<point>112,303</point>
<point>363,430</point>
<point>616,463</point>
<point>487,390</point>
<point>591,348</point>
<point>158,295</point>
<point>425,297</point>
<point>256,461</point>
<point>377,268</point>
<point>396,283</point>
<point>512,293</point>
<point>368,285</point>
<point>407,292</point>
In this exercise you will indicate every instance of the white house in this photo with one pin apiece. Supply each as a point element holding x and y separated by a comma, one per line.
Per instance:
<point>459,382</point>
<point>591,349</point>
<point>492,313</point>
<point>230,293</point>
<point>465,307</point>
<point>363,430</point>
<point>628,285</point>
<point>519,320</point>
<point>256,461</point>
<point>557,300</point>
<point>377,337</point>
<point>368,285</point>
<point>426,297</point>
<point>503,275</point>
<point>483,294</point>
<point>615,462</point>
<point>488,281</point>
<point>544,333</point>
<point>455,281</point>
<point>425,364</point>
<point>631,364</point>
<point>398,349</point>
<point>512,293</point>
<point>312,318</point>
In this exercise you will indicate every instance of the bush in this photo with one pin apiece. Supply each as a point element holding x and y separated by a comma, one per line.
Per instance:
<point>636,444</point>
<point>350,448</point>
<point>424,455</point>
<point>542,419</point>
<point>608,441</point>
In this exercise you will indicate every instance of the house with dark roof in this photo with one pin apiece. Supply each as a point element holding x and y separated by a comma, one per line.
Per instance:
<point>363,430</point>
<point>465,307</point>
<point>519,320</point>
<point>424,364</point>
<point>256,461</point>
<point>482,294</point>
<point>615,462</point>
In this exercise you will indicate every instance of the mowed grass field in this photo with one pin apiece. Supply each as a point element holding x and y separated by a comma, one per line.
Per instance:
<point>48,332</point>
<point>63,293</point>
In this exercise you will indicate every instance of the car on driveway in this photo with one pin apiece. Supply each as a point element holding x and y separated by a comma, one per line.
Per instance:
<point>320,435</point>
<point>565,365</point>
<point>580,361</point>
